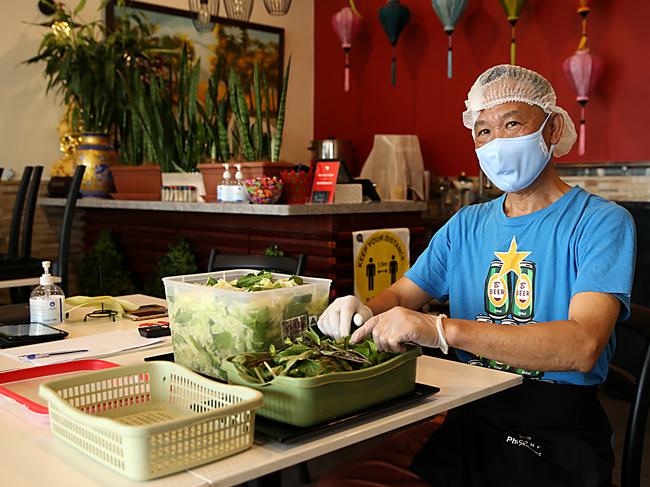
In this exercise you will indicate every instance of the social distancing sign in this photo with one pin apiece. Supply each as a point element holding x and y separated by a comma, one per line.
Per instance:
<point>381,257</point>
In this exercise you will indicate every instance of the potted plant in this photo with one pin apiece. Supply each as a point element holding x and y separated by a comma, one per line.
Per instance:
<point>254,141</point>
<point>87,63</point>
<point>175,136</point>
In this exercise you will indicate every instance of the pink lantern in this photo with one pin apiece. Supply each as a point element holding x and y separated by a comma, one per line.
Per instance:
<point>583,69</point>
<point>346,24</point>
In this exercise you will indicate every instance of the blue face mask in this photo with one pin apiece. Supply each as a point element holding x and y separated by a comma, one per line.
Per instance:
<point>513,164</point>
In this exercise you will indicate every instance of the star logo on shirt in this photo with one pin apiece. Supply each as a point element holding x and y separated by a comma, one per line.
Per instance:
<point>511,259</point>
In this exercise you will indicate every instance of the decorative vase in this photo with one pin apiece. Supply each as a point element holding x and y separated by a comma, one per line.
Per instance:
<point>213,173</point>
<point>96,152</point>
<point>137,182</point>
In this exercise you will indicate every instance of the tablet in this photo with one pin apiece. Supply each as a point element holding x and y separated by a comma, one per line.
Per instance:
<point>17,334</point>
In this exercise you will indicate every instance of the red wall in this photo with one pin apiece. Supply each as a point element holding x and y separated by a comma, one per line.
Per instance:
<point>426,103</point>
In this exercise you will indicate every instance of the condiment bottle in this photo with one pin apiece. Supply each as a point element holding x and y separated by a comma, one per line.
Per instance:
<point>224,189</point>
<point>46,300</point>
<point>238,191</point>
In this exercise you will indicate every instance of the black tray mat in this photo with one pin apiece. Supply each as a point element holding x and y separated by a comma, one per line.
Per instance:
<point>287,433</point>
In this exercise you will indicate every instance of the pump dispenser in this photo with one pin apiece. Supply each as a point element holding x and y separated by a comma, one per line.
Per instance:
<point>224,189</point>
<point>46,300</point>
<point>239,194</point>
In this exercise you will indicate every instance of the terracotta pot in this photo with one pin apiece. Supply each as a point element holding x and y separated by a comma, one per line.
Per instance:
<point>137,182</point>
<point>96,152</point>
<point>213,173</point>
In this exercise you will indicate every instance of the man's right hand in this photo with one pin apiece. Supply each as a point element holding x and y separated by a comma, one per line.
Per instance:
<point>335,320</point>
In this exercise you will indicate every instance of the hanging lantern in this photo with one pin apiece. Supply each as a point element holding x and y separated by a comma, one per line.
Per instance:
<point>583,70</point>
<point>393,17</point>
<point>204,13</point>
<point>513,9</point>
<point>277,7</point>
<point>449,11</point>
<point>239,9</point>
<point>347,25</point>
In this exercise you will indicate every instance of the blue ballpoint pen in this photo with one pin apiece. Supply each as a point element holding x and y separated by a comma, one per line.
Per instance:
<point>34,356</point>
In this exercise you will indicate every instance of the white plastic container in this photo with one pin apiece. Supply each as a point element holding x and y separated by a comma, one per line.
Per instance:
<point>209,324</point>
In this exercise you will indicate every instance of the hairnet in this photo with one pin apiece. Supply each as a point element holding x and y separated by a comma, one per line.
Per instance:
<point>506,83</point>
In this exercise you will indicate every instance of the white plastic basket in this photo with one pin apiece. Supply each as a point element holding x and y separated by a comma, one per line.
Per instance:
<point>152,419</point>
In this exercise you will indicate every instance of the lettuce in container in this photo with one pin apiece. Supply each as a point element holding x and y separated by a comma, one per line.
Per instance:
<point>217,315</point>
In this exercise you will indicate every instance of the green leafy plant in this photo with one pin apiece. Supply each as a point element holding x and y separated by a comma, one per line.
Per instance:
<point>85,63</point>
<point>253,136</point>
<point>176,136</point>
<point>274,251</point>
<point>309,356</point>
<point>103,270</point>
<point>179,260</point>
<point>215,116</point>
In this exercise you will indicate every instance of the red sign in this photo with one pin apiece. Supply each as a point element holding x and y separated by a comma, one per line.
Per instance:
<point>322,191</point>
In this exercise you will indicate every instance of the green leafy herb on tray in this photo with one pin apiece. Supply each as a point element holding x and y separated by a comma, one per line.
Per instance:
<point>308,356</point>
<point>261,281</point>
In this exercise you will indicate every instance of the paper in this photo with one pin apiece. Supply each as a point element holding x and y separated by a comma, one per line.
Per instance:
<point>100,345</point>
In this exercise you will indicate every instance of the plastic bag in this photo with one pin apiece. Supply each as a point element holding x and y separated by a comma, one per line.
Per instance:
<point>395,165</point>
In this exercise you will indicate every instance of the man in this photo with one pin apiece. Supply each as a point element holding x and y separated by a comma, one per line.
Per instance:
<point>536,281</point>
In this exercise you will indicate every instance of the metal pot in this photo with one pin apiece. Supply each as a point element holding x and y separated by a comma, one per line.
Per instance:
<point>331,149</point>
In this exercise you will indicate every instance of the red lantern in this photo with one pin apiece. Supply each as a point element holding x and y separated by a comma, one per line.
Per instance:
<point>346,24</point>
<point>583,69</point>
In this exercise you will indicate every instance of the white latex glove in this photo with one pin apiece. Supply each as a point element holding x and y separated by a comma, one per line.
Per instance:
<point>400,325</point>
<point>335,320</point>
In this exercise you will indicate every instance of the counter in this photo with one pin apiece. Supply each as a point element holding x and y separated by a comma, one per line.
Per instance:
<point>145,230</point>
<point>244,209</point>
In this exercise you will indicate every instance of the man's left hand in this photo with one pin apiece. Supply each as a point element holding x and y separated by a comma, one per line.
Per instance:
<point>400,325</point>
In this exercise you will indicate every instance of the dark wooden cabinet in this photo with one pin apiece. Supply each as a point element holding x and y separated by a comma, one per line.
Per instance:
<point>144,236</point>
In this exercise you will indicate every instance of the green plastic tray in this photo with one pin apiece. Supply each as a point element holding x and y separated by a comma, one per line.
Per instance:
<point>313,400</point>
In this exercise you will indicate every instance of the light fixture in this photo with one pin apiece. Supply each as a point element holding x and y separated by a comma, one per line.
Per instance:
<point>204,13</point>
<point>239,9</point>
<point>277,7</point>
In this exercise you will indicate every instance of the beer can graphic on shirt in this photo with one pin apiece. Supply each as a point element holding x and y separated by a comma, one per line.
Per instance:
<point>523,306</point>
<point>497,292</point>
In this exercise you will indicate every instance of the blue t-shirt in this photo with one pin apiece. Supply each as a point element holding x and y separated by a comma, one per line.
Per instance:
<point>526,269</point>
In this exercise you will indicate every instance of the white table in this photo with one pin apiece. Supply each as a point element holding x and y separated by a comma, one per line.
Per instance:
<point>32,456</point>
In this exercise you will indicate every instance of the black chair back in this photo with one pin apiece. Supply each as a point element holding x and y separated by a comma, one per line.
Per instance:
<point>14,231</point>
<point>28,218</point>
<point>2,169</point>
<point>633,358</point>
<point>282,264</point>
<point>61,265</point>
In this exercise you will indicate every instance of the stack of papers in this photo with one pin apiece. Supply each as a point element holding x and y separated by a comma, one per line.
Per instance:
<point>94,346</point>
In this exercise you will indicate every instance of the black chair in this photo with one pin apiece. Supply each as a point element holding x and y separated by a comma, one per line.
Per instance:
<point>281,264</point>
<point>630,378</point>
<point>2,169</point>
<point>28,217</point>
<point>17,215</point>
<point>28,267</point>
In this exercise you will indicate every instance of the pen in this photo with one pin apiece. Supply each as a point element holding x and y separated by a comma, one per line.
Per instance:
<point>34,356</point>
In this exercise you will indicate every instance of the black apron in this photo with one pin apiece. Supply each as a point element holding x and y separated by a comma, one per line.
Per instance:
<point>535,434</point>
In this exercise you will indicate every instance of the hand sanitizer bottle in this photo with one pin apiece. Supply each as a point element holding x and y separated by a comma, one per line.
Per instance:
<point>239,194</point>
<point>46,301</point>
<point>224,189</point>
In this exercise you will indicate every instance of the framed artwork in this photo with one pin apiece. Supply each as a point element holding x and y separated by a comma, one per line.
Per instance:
<point>231,43</point>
